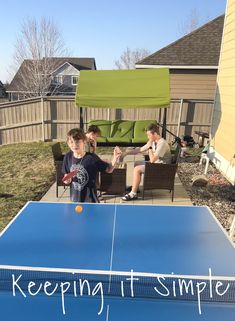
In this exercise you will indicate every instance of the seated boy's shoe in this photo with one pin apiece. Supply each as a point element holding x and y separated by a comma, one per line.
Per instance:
<point>129,197</point>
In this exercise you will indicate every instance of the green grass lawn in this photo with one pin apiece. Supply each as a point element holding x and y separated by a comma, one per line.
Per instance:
<point>27,172</point>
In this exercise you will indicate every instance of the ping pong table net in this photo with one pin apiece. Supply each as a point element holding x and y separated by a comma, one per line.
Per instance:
<point>125,284</point>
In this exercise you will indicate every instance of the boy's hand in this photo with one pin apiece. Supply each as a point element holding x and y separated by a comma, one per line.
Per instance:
<point>68,181</point>
<point>117,153</point>
<point>92,143</point>
<point>117,150</point>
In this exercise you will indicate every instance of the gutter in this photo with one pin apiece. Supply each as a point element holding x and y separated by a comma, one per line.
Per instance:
<point>176,67</point>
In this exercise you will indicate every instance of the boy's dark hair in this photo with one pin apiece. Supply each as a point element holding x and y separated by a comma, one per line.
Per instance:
<point>94,129</point>
<point>76,134</point>
<point>153,128</point>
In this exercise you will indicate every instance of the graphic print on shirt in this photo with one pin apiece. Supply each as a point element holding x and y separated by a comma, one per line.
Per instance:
<point>82,177</point>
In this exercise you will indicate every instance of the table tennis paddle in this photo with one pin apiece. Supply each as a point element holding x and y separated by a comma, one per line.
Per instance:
<point>69,175</point>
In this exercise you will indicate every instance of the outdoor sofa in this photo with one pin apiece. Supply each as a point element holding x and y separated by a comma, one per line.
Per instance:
<point>122,132</point>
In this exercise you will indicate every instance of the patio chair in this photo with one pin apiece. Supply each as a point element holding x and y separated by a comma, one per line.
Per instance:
<point>114,183</point>
<point>161,176</point>
<point>204,158</point>
<point>232,229</point>
<point>176,154</point>
<point>56,151</point>
<point>58,161</point>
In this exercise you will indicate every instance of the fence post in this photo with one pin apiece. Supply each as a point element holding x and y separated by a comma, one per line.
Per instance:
<point>42,115</point>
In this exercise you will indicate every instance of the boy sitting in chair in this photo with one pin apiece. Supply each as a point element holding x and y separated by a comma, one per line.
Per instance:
<point>159,152</point>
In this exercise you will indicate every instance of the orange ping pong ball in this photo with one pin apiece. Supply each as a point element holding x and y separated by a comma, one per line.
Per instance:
<point>79,209</point>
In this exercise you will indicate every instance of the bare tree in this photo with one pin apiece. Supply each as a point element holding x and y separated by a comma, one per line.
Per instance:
<point>37,43</point>
<point>192,23</point>
<point>129,58</point>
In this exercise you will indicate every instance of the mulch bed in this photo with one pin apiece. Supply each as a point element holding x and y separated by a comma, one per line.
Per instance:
<point>218,194</point>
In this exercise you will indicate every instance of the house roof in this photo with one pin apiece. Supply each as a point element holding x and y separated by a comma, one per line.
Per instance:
<point>198,48</point>
<point>79,63</point>
<point>2,90</point>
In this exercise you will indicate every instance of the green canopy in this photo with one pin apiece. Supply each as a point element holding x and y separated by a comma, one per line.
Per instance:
<point>141,88</point>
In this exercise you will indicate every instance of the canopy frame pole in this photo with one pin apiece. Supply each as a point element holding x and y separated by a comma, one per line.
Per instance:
<point>180,115</point>
<point>164,124</point>
<point>81,118</point>
<point>160,115</point>
<point>176,140</point>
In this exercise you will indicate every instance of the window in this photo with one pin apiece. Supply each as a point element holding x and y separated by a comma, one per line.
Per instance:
<point>74,80</point>
<point>58,80</point>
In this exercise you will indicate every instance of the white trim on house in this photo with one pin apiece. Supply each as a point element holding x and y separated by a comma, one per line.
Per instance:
<point>223,165</point>
<point>175,67</point>
<point>65,63</point>
<point>24,92</point>
<point>72,80</point>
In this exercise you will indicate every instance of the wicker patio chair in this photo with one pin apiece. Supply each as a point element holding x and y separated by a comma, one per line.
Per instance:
<point>56,151</point>
<point>176,154</point>
<point>58,161</point>
<point>114,183</point>
<point>160,176</point>
<point>232,229</point>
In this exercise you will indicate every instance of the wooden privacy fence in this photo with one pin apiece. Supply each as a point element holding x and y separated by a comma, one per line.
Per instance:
<point>50,118</point>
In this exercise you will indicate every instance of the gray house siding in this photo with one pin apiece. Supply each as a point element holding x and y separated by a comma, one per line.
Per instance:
<point>62,79</point>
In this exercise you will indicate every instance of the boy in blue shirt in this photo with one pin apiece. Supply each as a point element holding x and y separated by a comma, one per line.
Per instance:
<point>87,165</point>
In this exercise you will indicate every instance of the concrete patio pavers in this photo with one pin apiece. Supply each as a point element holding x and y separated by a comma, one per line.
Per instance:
<point>161,197</point>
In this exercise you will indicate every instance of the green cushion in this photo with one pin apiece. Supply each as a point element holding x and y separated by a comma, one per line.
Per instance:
<point>118,140</point>
<point>140,130</point>
<point>139,140</point>
<point>122,129</point>
<point>101,139</point>
<point>104,126</point>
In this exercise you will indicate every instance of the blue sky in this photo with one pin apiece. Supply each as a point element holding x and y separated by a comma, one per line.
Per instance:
<point>103,29</point>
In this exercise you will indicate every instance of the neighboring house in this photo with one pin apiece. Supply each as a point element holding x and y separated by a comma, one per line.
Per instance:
<point>222,146</point>
<point>192,60</point>
<point>51,76</point>
<point>3,94</point>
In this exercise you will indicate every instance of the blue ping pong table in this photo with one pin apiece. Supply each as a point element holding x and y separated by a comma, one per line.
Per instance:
<point>108,239</point>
